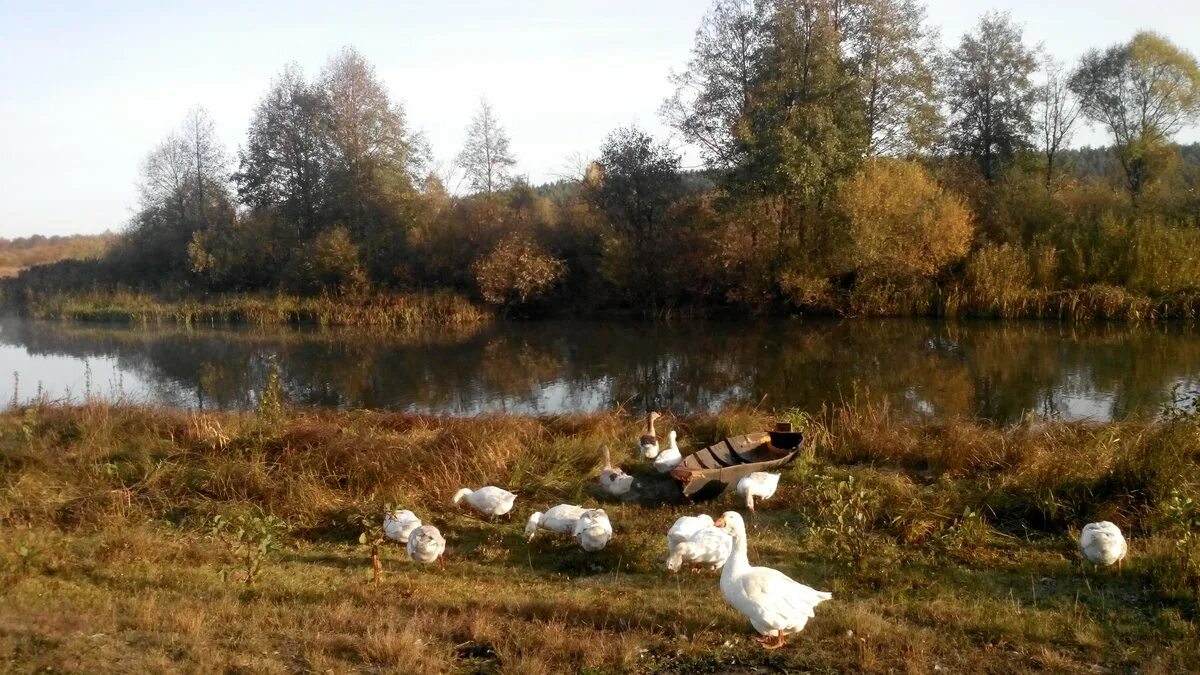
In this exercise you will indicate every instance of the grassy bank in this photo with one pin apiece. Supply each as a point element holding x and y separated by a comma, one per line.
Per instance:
<point>947,546</point>
<point>1098,302</point>
<point>390,309</point>
<point>377,310</point>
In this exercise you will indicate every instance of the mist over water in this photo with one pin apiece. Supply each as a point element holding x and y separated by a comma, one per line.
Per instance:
<point>995,371</point>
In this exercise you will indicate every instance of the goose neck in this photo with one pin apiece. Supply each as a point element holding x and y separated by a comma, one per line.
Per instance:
<point>737,557</point>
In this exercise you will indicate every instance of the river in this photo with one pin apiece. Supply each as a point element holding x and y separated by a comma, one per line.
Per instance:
<point>993,371</point>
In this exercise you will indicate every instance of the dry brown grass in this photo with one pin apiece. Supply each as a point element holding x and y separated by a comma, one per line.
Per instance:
<point>380,310</point>
<point>945,545</point>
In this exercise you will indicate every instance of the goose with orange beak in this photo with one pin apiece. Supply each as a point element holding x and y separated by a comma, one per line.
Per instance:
<point>776,605</point>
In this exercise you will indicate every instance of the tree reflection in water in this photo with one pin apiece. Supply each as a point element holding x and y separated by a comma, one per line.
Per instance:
<point>991,370</point>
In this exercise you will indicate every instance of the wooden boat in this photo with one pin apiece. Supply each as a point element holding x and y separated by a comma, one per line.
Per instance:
<point>705,474</point>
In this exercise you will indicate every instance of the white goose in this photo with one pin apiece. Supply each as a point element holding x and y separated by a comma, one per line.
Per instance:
<point>757,485</point>
<point>648,443</point>
<point>670,458</point>
<point>1102,544</point>
<point>490,501</point>
<point>775,604</point>
<point>684,527</point>
<point>613,481</point>
<point>590,527</point>
<point>593,530</point>
<point>425,544</point>
<point>709,546</point>
<point>399,524</point>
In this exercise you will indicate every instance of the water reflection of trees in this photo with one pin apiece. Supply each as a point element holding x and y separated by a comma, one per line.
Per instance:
<point>998,371</point>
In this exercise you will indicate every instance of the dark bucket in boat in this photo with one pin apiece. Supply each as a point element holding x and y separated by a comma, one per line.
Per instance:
<point>784,438</point>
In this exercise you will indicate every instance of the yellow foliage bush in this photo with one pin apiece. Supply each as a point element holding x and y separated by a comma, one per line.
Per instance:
<point>902,224</point>
<point>331,263</point>
<point>999,278</point>
<point>517,271</point>
<point>1163,258</point>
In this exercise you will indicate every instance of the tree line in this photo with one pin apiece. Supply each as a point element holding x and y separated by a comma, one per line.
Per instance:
<point>850,165</point>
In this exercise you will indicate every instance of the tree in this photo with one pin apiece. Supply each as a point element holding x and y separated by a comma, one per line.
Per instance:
<point>1056,114</point>
<point>329,264</point>
<point>486,157</point>
<point>208,165</point>
<point>246,254</point>
<point>893,53</point>
<point>714,93</point>
<point>188,171</point>
<point>164,182</point>
<point>285,163</point>
<point>1144,92</point>
<point>804,131</point>
<point>990,93</point>
<point>902,225</point>
<point>636,182</point>
<point>375,157</point>
<point>374,161</point>
<point>184,190</point>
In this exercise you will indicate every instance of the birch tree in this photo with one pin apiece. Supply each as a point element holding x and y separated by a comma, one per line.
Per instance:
<point>486,157</point>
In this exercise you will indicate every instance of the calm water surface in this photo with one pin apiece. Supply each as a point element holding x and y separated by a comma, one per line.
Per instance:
<point>988,370</point>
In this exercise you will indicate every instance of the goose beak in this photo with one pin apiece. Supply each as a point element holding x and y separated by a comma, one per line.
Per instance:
<point>720,522</point>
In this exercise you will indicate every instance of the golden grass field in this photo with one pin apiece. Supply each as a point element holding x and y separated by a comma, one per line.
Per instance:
<point>948,548</point>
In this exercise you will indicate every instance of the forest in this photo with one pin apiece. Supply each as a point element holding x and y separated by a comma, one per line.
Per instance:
<point>852,166</point>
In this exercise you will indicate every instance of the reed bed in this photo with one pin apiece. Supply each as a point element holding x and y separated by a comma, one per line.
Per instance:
<point>947,546</point>
<point>385,310</point>
<point>390,310</point>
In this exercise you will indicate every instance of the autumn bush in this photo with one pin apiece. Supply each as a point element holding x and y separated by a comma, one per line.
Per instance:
<point>901,223</point>
<point>330,263</point>
<point>1162,258</point>
<point>999,277</point>
<point>517,272</point>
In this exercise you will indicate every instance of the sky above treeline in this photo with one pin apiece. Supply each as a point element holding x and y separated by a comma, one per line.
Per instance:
<point>88,88</point>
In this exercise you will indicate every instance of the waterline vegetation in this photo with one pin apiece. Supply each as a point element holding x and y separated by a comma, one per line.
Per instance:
<point>383,310</point>
<point>948,545</point>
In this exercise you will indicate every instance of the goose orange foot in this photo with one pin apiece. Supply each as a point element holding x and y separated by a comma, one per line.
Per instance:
<point>771,641</point>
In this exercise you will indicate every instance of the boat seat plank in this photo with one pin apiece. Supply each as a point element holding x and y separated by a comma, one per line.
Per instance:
<point>707,460</point>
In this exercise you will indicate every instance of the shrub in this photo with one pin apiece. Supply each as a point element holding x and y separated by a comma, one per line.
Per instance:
<point>901,223</point>
<point>250,540</point>
<point>330,263</point>
<point>804,290</point>
<point>1163,258</point>
<point>999,278</point>
<point>517,272</point>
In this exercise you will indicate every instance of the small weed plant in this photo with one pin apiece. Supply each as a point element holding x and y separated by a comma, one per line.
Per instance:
<point>1181,518</point>
<point>371,535</point>
<point>250,540</point>
<point>845,511</point>
<point>271,403</point>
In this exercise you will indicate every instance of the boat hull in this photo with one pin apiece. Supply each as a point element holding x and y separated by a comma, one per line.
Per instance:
<point>709,472</point>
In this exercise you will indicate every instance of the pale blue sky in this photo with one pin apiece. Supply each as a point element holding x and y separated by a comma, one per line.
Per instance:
<point>86,89</point>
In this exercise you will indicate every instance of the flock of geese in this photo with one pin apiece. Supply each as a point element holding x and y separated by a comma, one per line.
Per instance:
<point>775,604</point>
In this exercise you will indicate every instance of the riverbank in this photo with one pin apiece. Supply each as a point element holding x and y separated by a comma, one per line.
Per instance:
<point>944,545</point>
<point>387,310</point>
<point>396,309</point>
